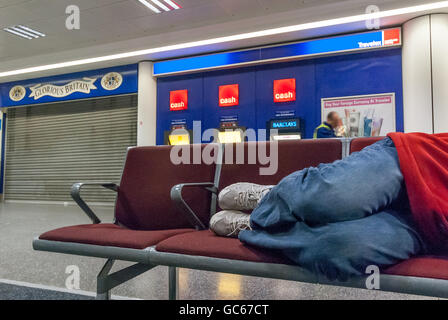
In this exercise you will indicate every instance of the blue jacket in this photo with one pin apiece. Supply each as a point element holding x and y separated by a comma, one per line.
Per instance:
<point>325,130</point>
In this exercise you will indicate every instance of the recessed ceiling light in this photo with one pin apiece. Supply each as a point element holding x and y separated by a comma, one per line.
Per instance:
<point>150,6</point>
<point>158,5</point>
<point>173,4</point>
<point>235,37</point>
<point>161,5</point>
<point>24,32</point>
<point>10,30</point>
<point>39,34</point>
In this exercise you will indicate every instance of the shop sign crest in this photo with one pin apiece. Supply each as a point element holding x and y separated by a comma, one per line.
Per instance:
<point>17,93</point>
<point>111,81</point>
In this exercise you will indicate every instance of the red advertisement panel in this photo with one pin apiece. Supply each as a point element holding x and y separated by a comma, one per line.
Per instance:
<point>229,95</point>
<point>284,90</point>
<point>178,100</point>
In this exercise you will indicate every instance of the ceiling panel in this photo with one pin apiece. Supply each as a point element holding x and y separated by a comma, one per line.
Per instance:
<point>124,10</point>
<point>114,26</point>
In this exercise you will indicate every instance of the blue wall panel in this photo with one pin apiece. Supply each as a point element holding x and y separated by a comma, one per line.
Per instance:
<point>360,74</point>
<point>194,85</point>
<point>303,107</point>
<point>355,74</point>
<point>244,112</point>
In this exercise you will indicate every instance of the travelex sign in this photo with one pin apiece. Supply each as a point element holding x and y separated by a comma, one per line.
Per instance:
<point>81,85</point>
<point>312,48</point>
<point>390,37</point>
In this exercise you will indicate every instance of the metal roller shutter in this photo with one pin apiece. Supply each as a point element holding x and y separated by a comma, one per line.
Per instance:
<point>51,146</point>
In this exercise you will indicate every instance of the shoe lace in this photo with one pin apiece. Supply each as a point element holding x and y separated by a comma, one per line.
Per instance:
<point>236,226</point>
<point>250,198</point>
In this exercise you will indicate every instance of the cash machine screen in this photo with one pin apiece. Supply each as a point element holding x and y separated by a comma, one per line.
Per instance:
<point>285,124</point>
<point>179,135</point>
<point>230,132</point>
<point>179,139</point>
<point>288,129</point>
<point>230,136</point>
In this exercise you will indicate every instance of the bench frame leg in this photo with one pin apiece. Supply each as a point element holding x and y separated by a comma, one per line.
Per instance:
<point>106,282</point>
<point>173,283</point>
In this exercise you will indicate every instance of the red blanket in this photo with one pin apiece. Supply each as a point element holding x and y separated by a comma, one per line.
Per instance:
<point>424,164</point>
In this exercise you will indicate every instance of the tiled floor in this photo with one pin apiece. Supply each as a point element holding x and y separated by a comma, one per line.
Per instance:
<point>20,292</point>
<point>20,223</point>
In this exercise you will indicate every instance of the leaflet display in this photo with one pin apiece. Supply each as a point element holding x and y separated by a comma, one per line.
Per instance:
<point>363,116</point>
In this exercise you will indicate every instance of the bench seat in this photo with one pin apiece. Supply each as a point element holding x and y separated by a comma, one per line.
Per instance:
<point>433,267</point>
<point>357,145</point>
<point>160,202</point>
<point>205,243</point>
<point>108,234</point>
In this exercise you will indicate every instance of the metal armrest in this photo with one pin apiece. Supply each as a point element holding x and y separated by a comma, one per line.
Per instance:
<point>76,195</point>
<point>176,196</point>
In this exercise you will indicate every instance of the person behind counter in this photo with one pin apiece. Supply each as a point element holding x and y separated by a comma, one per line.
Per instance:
<point>328,128</point>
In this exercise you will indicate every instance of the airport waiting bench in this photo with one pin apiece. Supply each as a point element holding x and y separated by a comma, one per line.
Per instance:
<point>163,208</point>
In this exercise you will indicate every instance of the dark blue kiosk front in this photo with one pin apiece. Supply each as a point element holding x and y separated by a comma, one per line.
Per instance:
<point>245,95</point>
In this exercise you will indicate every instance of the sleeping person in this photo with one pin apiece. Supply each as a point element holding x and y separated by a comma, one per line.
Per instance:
<point>378,206</point>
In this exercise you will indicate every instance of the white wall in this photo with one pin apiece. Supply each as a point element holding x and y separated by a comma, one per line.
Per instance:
<point>417,78</point>
<point>439,37</point>
<point>147,105</point>
<point>425,74</point>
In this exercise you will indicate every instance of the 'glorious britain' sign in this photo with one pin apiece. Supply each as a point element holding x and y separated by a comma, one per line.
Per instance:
<point>84,85</point>
<point>72,86</point>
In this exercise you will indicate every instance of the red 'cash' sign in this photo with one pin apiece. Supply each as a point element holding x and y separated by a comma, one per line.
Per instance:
<point>229,95</point>
<point>178,100</point>
<point>284,90</point>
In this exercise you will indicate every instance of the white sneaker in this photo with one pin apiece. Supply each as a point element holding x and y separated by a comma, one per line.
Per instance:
<point>229,223</point>
<point>242,196</point>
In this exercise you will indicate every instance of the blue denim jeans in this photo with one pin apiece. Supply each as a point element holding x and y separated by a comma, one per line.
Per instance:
<point>337,219</point>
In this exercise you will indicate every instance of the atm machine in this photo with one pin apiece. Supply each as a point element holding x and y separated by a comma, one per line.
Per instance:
<point>178,135</point>
<point>287,129</point>
<point>230,132</point>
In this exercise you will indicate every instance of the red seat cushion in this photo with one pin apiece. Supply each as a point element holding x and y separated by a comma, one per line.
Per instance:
<point>360,143</point>
<point>206,243</point>
<point>424,267</point>
<point>107,234</point>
